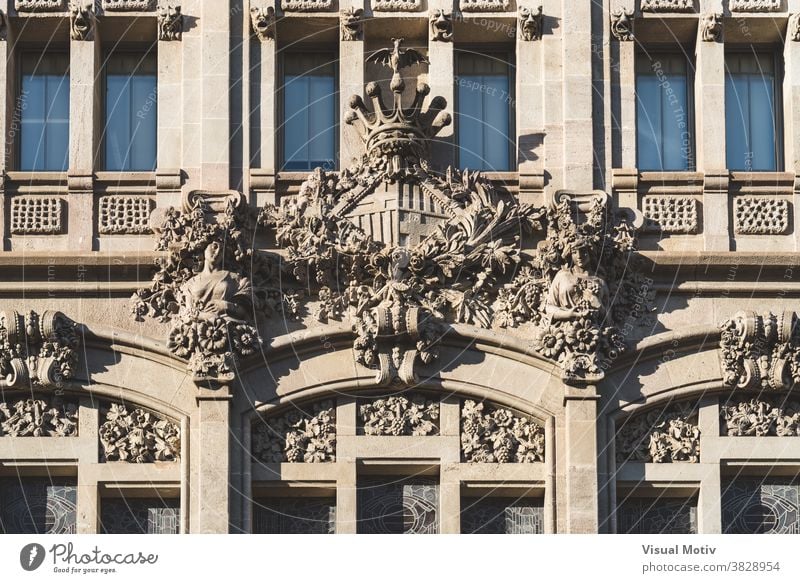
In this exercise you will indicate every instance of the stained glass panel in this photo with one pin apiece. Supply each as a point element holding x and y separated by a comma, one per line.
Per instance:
<point>294,516</point>
<point>752,506</point>
<point>501,516</point>
<point>38,506</point>
<point>657,516</point>
<point>140,516</point>
<point>398,506</point>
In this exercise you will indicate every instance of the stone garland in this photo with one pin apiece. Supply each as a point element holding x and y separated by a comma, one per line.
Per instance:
<point>413,415</point>
<point>660,436</point>
<point>138,436</point>
<point>760,418</point>
<point>45,417</point>
<point>491,434</point>
<point>297,436</point>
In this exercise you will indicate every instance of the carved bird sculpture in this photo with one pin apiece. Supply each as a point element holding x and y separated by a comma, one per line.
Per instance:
<point>397,58</point>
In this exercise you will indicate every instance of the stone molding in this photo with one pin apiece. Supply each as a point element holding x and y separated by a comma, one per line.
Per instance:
<point>755,5</point>
<point>667,6</point>
<point>483,5</point>
<point>306,5</point>
<point>41,5</point>
<point>396,5</point>
<point>129,5</point>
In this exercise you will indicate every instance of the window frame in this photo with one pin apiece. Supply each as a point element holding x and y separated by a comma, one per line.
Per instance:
<point>489,50</point>
<point>652,52</point>
<point>775,52</point>
<point>121,48</point>
<point>22,50</point>
<point>324,49</point>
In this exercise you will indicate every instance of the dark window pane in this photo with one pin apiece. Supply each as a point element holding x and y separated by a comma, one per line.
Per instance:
<point>309,111</point>
<point>43,111</point>
<point>751,104</point>
<point>767,506</point>
<point>294,516</point>
<point>663,117</point>
<point>398,506</point>
<point>501,516</point>
<point>38,506</point>
<point>131,112</point>
<point>484,112</point>
<point>657,516</point>
<point>140,516</point>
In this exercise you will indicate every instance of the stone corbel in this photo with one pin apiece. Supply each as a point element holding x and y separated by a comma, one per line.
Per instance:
<point>81,20</point>
<point>711,27</point>
<point>793,27</point>
<point>170,22</point>
<point>352,24</point>
<point>530,23</point>
<point>263,21</point>
<point>622,24</point>
<point>441,26</point>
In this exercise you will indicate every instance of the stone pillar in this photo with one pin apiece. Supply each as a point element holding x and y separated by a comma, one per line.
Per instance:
<point>623,73</point>
<point>576,55</point>
<point>710,141</point>
<point>215,87</point>
<point>169,111</point>
<point>709,505</point>
<point>449,480</point>
<point>580,436</point>
<point>442,80</point>
<point>791,116</point>
<point>265,164</point>
<point>88,499</point>
<point>10,109</point>
<point>347,498</point>
<point>553,74</point>
<point>529,108</point>
<point>351,82</point>
<point>85,124</point>
<point>211,462</point>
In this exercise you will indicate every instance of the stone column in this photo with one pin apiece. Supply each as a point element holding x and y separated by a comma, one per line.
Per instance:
<point>170,118</point>
<point>623,74</point>
<point>351,82</point>
<point>442,79</point>
<point>10,112</point>
<point>347,474</point>
<point>215,87</point>
<point>791,116</point>
<point>85,125</point>
<point>449,479</point>
<point>265,72</point>
<point>211,462</point>
<point>529,108</point>
<point>709,505</point>
<point>580,436</point>
<point>576,55</point>
<point>553,73</point>
<point>88,498</point>
<point>710,141</point>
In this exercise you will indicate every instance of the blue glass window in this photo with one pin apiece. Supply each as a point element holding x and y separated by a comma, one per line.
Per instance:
<point>664,120</point>
<point>131,112</point>
<point>751,112</point>
<point>309,111</point>
<point>484,112</point>
<point>43,112</point>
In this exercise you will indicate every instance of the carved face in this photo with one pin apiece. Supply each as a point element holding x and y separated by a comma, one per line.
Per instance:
<point>213,255</point>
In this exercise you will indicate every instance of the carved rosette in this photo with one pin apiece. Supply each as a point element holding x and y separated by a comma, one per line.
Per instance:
<point>170,22</point>
<point>49,416</point>
<point>137,436</point>
<point>760,352</point>
<point>491,434</point>
<point>40,350</point>
<point>414,415</point>
<point>660,436</point>
<point>760,417</point>
<point>298,436</point>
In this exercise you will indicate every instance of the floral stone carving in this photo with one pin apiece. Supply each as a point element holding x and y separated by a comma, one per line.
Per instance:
<point>297,436</point>
<point>760,417</point>
<point>400,292</point>
<point>414,415</point>
<point>129,5</point>
<point>40,350</point>
<point>760,351</point>
<point>667,5</point>
<point>492,434</point>
<point>755,5</point>
<point>660,436</point>
<point>138,436</point>
<point>40,5</point>
<point>45,417</point>
<point>211,285</point>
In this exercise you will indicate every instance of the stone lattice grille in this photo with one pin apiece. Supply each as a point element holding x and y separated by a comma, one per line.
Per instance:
<point>398,506</point>
<point>38,506</point>
<point>671,214</point>
<point>36,215</point>
<point>769,506</point>
<point>129,215</point>
<point>657,516</point>
<point>140,516</point>
<point>502,516</point>
<point>294,516</point>
<point>761,216</point>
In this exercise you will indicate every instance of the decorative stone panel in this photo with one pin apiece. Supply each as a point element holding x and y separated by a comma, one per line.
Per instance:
<point>298,435</point>
<point>497,435</point>
<point>45,417</point>
<point>396,5</point>
<point>138,436</point>
<point>659,436</point>
<point>306,5</point>
<point>671,214</point>
<point>129,5</point>
<point>667,6</point>
<point>755,215</point>
<point>36,215</point>
<point>125,215</point>
<point>414,415</point>
<point>483,5</point>
<point>755,5</point>
<point>41,5</point>
<point>760,418</point>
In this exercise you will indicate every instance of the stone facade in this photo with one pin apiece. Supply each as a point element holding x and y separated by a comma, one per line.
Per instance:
<point>575,344</point>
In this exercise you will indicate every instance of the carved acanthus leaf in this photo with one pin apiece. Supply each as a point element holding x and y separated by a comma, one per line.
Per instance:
<point>299,435</point>
<point>491,434</point>
<point>660,436</point>
<point>49,416</point>
<point>138,436</point>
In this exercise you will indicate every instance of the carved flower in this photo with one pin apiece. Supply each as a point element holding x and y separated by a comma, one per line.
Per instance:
<point>213,336</point>
<point>245,339</point>
<point>182,340</point>
<point>549,341</point>
<point>416,263</point>
<point>586,338</point>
